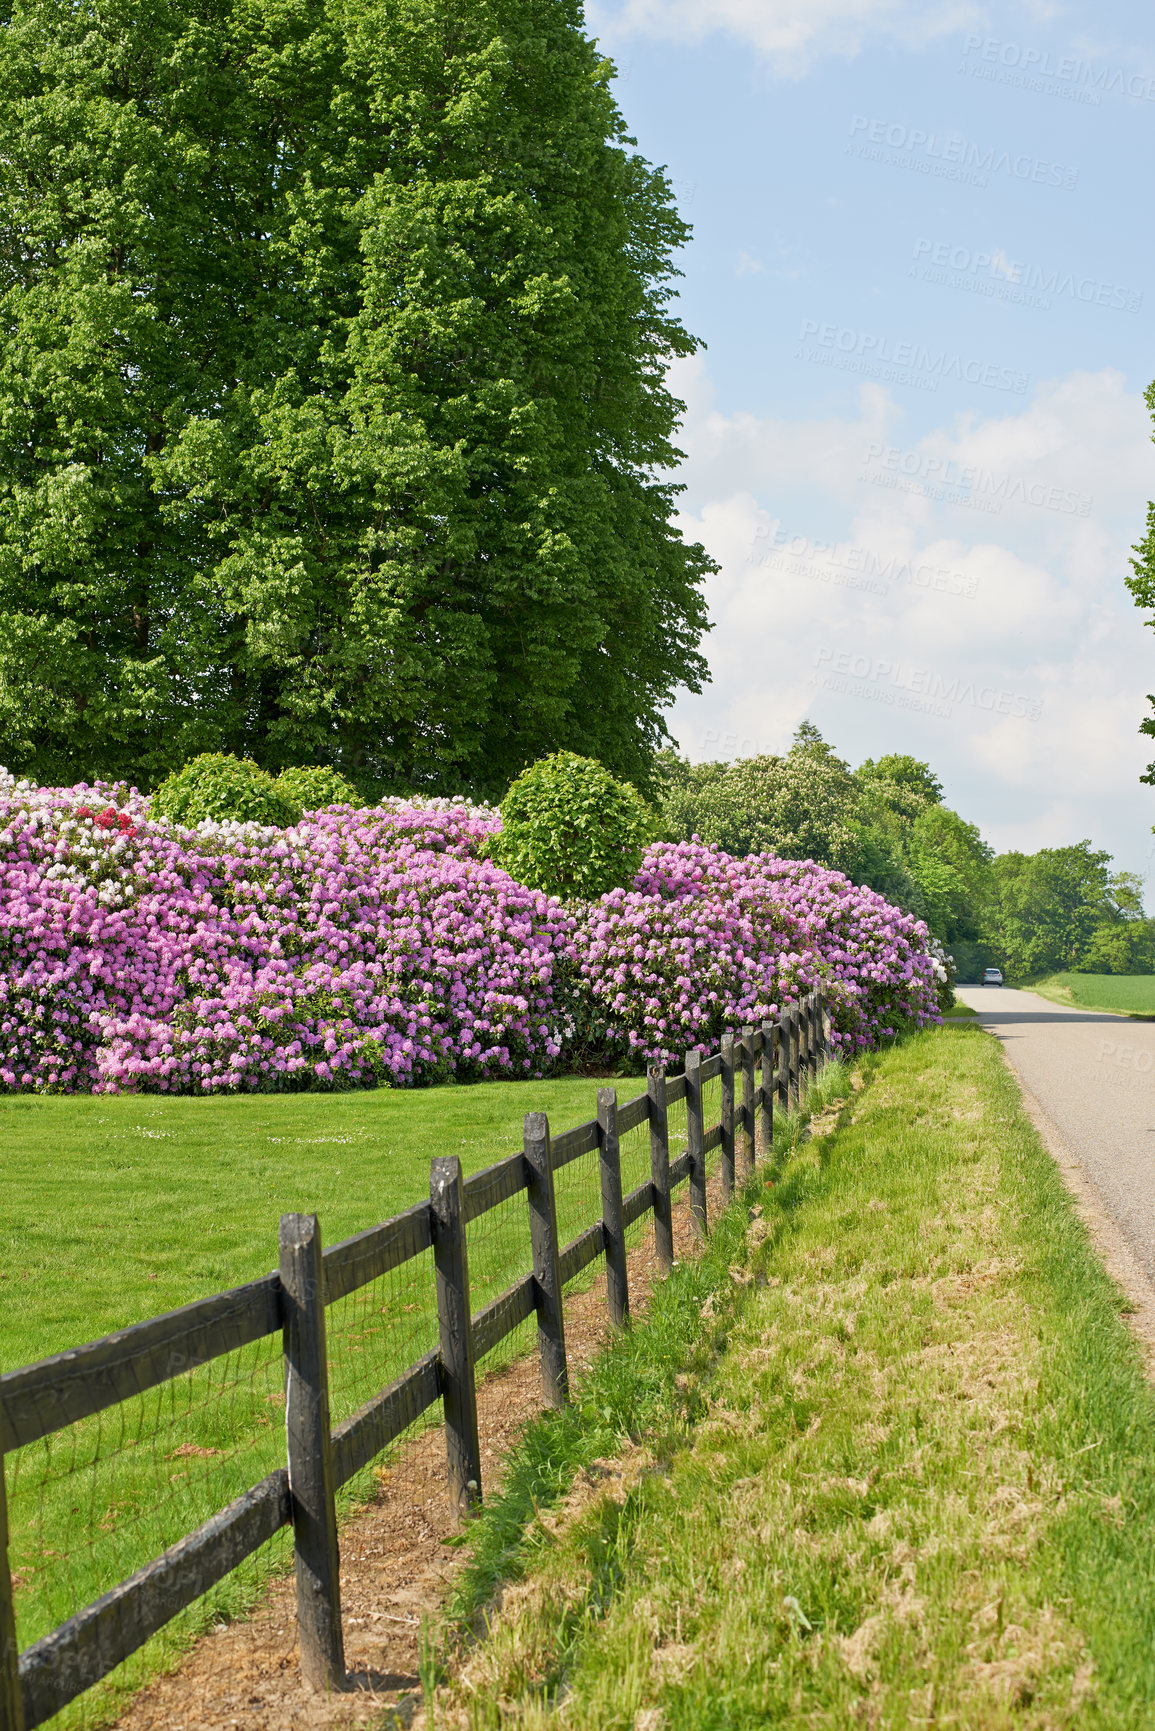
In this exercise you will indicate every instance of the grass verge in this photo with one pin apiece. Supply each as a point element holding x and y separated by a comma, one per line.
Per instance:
<point>1121,994</point>
<point>902,1476</point>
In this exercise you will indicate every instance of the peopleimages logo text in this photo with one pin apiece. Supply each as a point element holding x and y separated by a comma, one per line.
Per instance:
<point>965,483</point>
<point>786,551</point>
<point>1013,280</point>
<point>934,692</point>
<point>1035,65</point>
<point>951,155</point>
<point>922,361</point>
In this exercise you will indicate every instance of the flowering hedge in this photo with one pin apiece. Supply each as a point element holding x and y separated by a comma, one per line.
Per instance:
<point>703,942</point>
<point>374,945</point>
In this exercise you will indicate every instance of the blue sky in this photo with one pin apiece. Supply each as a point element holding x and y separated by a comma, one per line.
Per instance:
<point>917,442</point>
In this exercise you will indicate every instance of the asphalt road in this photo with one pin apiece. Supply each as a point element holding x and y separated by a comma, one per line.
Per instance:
<point>1094,1077</point>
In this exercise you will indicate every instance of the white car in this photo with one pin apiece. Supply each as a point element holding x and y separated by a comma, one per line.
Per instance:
<point>992,977</point>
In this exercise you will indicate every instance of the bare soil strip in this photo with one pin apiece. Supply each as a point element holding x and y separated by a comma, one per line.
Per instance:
<point>396,1565</point>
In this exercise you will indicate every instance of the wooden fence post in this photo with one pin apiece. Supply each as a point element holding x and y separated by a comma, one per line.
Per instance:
<point>311,1480</point>
<point>795,1067</point>
<point>546,1269</point>
<point>455,1326</point>
<point>816,1024</point>
<point>610,1162</point>
<point>768,1084</point>
<point>660,1166</point>
<point>748,1098</point>
<point>783,1071</point>
<point>727,1117</point>
<point>11,1695</point>
<point>695,1136</point>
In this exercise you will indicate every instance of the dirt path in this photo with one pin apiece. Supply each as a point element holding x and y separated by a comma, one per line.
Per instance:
<point>396,1566</point>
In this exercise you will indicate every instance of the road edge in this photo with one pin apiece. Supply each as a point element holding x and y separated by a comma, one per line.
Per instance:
<point>1107,1235</point>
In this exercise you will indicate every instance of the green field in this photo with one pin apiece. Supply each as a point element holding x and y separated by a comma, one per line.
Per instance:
<point>119,1207</point>
<point>122,1207</point>
<point>1124,994</point>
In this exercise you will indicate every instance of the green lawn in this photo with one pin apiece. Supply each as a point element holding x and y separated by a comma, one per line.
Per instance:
<point>1125,994</point>
<point>899,1476</point>
<point>119,1208</point>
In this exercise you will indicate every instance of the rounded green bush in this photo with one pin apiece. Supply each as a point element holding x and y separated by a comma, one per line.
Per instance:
<point>218,786</point>
<point>572,829</point>
<point>315,786</point>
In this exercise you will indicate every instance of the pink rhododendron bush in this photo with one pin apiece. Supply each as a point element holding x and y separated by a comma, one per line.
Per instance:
<point>376,946</point>
<point>703,942</point>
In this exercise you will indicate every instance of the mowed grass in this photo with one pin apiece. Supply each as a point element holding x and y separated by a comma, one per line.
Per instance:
<point>1125,994</point>
<point>119,1207</point>
<point>903,1474</point>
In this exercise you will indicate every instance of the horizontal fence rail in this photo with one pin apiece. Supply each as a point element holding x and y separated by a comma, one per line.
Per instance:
<point>759,1069</point>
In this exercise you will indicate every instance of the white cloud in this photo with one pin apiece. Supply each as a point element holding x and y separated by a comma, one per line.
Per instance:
<point>791,33</point>
<point>1001,645</point>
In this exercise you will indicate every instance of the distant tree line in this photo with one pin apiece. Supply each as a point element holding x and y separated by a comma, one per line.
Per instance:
<point>885,824</point>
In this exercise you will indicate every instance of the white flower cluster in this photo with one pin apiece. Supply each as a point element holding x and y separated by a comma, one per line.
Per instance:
<point>418,802</point>
<point>940,960</point>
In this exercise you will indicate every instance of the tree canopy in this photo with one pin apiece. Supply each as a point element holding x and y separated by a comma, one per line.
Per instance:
<point>885,824</point>
<point>333,424</point>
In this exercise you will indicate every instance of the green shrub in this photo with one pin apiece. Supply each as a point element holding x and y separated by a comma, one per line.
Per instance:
<point>571,828</point>
<point>315,786</point>
<point>218,786</point>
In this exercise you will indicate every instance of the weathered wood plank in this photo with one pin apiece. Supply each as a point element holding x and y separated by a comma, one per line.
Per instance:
<point>44,1397</point>
<point>356,1261</point>
<point>581,1251</point>
<point>675,1089</point>
<point>60,1666</point>
<point>455,1323</point>
<point>680,1168</point>
<point>494,1184</point>
<point>728,1164</point>
<point>695,1143</point>
<point>711,1067</point>
<point>11,1694</point>
<point>613,1232</point>
<point>572,1144</point>
<point>660,1168</point>
<point>500,1318</point>
<point>310,1451</point>
<point>766,1089</point>
<point>633,1113</point>
<point>376,1424</point>
<point>637,1203</point>
<point>712,1139</point>
<point>748,1136</point>
<point>546,1269</point>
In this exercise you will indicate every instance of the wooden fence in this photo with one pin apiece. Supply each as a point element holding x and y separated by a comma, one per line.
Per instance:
<point>46,1397</point>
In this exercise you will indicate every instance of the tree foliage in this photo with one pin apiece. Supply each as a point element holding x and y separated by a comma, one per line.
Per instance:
<point>802,805</point>
<point>225,789</point>
<point>315,786</point>
<point>332,349</point>
<point>572,829</point>
<point>885,825</point>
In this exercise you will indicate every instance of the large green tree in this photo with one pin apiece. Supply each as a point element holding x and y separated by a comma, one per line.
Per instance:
<point>1045,908</point>
<point>333,424</point>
